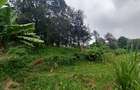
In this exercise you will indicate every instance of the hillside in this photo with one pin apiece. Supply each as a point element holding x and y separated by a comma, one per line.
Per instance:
<point>30,71</point>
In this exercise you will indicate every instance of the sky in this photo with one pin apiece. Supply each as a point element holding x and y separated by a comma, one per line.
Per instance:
<point>119,17</point>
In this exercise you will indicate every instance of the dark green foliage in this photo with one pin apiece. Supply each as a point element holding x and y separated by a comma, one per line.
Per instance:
<point>2,2</point>
<point>120,51</point>
<point>16,63</point>
<point>56,24</point>
<point>95,54</point>
<point>13,68</point>
<point>123,42</point>
<point>22,60</point>
<point>112,42</point>
<point>56,61</point>
<point>134,44</point>
<point>18,51</point>
<point>80,56</point>
<point>11,32</point>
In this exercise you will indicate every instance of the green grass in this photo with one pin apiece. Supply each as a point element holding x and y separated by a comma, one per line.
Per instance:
<point>78,77</point>
<point>83,75</point>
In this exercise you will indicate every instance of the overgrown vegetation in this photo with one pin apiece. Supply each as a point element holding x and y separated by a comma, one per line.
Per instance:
<point>127,74</point>
<point>11,32</point>
<point>44,46</point>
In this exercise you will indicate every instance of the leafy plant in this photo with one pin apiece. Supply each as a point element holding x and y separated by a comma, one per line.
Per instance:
<point>2,2</point>
<point>60,60</point>
<point>95,54</point>
<point>127,75</point>
<point>120,51</point>
<point>9,31</point>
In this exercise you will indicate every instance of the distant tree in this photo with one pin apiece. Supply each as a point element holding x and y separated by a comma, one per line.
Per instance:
<point>112,42</point>
<point>98,40</point>
<point>101,40</point>
<point>79,30</point>
<point>96,35</point>
<point>123,42</point>
<point>134,44</point>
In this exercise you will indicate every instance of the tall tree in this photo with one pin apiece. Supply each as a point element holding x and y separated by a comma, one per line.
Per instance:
<point>112,42</point>
<point>55,22</point>
<point>123,42</point>
<point>96,35</point>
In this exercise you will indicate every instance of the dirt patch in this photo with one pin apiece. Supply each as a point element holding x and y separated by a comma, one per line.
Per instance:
<point>9,84</point>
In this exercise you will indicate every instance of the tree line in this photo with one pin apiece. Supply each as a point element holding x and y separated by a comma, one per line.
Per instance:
<point>114,43</point>
<point>55,22</point>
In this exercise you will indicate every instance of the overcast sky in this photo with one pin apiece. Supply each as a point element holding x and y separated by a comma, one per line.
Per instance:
<point>120,17</point>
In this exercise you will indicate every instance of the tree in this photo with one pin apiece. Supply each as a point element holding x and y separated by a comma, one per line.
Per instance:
<point>56,23</point>
<point>123,42</point>
<point>79,31</point>
<point>134,44</point>
<point>96,35</point>
<point>32,11</point>
<point>38,12</point>
<point>112,42</point>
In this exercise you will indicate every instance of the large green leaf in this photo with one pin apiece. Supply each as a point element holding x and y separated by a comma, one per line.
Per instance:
<point>5,15</point>
<point>31,39</point>
<point>20,29</point>
<point>14,32</point>
<point>2,2</point>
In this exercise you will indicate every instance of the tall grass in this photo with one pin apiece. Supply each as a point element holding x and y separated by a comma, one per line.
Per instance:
<point>127,74</point>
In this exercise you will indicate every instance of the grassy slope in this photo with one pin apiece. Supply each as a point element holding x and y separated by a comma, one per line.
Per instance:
<point>82,76</point>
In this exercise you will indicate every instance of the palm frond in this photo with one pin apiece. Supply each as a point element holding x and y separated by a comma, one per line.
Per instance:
<point>25,28</point>
<point>2,2</point>
<point>27,43</point>
<point>31,35</point>
<point>31,39</point>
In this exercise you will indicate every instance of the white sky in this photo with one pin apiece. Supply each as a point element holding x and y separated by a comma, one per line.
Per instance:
<point>120,17</point>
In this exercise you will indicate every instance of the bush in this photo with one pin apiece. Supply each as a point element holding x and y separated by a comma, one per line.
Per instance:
<point>80,56</point>
<point>20,51</point>
<point>127,75</point>
<point>13,67</point>
<point>56,61</point>
<point>95,54</point>
<point>120,51</point>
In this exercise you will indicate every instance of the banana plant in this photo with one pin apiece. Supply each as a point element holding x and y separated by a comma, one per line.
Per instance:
<point>2,2</point>
<point>10,31</point>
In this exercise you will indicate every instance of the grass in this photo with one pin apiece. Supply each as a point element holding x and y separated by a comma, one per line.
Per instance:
<point>83,76</point>
<point>127,73</point>
<point>18,65</point>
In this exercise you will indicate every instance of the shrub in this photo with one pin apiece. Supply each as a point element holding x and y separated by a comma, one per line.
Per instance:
<point>14,67</point>
<point>120,51</point>
<point>95,54</point>
<point>80,56</point>
<point>20,51</point>
<point>60,60</point>
<point>127,75</point>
